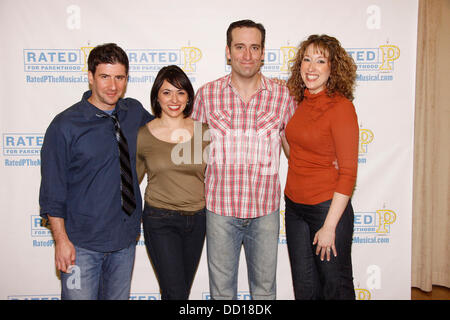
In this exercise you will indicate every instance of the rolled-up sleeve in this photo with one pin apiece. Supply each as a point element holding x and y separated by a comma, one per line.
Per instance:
<point>345,134</point>
<point>54,160</point>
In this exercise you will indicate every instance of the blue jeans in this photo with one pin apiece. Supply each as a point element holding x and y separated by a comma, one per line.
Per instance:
<point>174,242</point>
<point>314,279</point>
<point>99,275</point>
<point>259,236</point>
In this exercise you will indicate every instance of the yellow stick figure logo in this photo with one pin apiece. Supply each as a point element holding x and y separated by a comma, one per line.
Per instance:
<point>385,218</point>
<point>86,51</point>
<point>363,294</point>
<point>282,223</point>
<point>191,56</point>
<point>390,53</point>
<point>288,57</point>
<point>365,137</point>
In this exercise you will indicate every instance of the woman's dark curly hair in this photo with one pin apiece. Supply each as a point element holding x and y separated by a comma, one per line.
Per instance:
<point>343,69</point>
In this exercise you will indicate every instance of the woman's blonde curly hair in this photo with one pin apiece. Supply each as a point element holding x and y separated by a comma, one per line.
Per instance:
<point>343,69</point>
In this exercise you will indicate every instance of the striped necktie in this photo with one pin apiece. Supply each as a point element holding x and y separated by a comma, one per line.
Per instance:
<point>126,176</point>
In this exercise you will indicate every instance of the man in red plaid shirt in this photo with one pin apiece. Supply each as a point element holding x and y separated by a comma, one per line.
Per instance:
<point>246,113</point>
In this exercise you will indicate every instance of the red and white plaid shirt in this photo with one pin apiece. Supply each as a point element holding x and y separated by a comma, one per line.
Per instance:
<point>242,173</point>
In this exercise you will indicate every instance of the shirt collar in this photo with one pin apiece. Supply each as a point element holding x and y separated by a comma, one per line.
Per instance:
<point>226,81</point>
<point>265,84</point>
<point>90,110</point>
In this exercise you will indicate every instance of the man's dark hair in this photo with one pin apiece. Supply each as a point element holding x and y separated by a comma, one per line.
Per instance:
<point>108,53</point>
<point>246,24</point>
<point>176,77</point>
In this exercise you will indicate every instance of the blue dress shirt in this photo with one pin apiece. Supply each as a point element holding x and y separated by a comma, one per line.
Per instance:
<point>81,174</point>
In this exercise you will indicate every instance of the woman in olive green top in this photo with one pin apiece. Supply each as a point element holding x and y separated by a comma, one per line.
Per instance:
<point>171,149</point>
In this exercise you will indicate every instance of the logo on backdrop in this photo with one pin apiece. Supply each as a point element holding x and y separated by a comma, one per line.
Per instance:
<point>277,62</point>
<point>22,149</point>
<point>363,294</point>
<point>145,296</point>
<point>373,227</point>
<point>141,241</point>
<point>375,64</point>
<point>133,296</point>
<point>70,65</point>
<point>42,235</point>
<point>35,297</point>
<point>241,295</point>
<point>40,232</point>
<point>365,138</point>
<point>282,233</point>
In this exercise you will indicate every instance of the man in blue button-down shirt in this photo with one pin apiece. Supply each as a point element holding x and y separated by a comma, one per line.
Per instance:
<point>80,193</point>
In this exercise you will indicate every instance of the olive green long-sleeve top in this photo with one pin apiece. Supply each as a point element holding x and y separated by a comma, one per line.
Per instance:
<point>175,171</point>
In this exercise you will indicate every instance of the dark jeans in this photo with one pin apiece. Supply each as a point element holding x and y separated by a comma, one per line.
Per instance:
<point>174,242</point>
<point>312,278</point>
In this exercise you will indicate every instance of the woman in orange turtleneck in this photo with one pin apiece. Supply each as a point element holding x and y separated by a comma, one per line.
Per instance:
<point>321,144</point>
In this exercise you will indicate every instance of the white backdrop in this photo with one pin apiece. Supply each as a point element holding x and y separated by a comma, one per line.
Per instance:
<point>45,45</point>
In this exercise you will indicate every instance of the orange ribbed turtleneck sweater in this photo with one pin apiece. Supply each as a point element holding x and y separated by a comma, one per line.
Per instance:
<point>322,130</point>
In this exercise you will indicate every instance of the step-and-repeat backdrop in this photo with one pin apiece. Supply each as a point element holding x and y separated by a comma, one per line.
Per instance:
<point>43,64</point>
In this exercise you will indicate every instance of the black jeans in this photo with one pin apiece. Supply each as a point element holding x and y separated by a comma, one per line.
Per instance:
<point>174,242</point>
<point>312,278</point>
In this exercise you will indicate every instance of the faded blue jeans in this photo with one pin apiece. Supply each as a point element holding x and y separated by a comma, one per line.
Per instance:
<point>99,275</point>
<point>225,237</point>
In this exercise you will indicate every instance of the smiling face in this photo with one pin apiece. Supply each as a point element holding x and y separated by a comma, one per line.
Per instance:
<point>246,52</point>
<point>172,100</point>
<point>108,84</point>
<point>315,69</point>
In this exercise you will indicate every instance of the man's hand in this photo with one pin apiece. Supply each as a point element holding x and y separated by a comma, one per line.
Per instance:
<point>64,249</point>
<point>64,255</point>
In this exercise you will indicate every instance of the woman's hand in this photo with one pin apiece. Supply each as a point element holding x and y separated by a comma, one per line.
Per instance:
<point>324,238</point>
<point>64,249</point>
